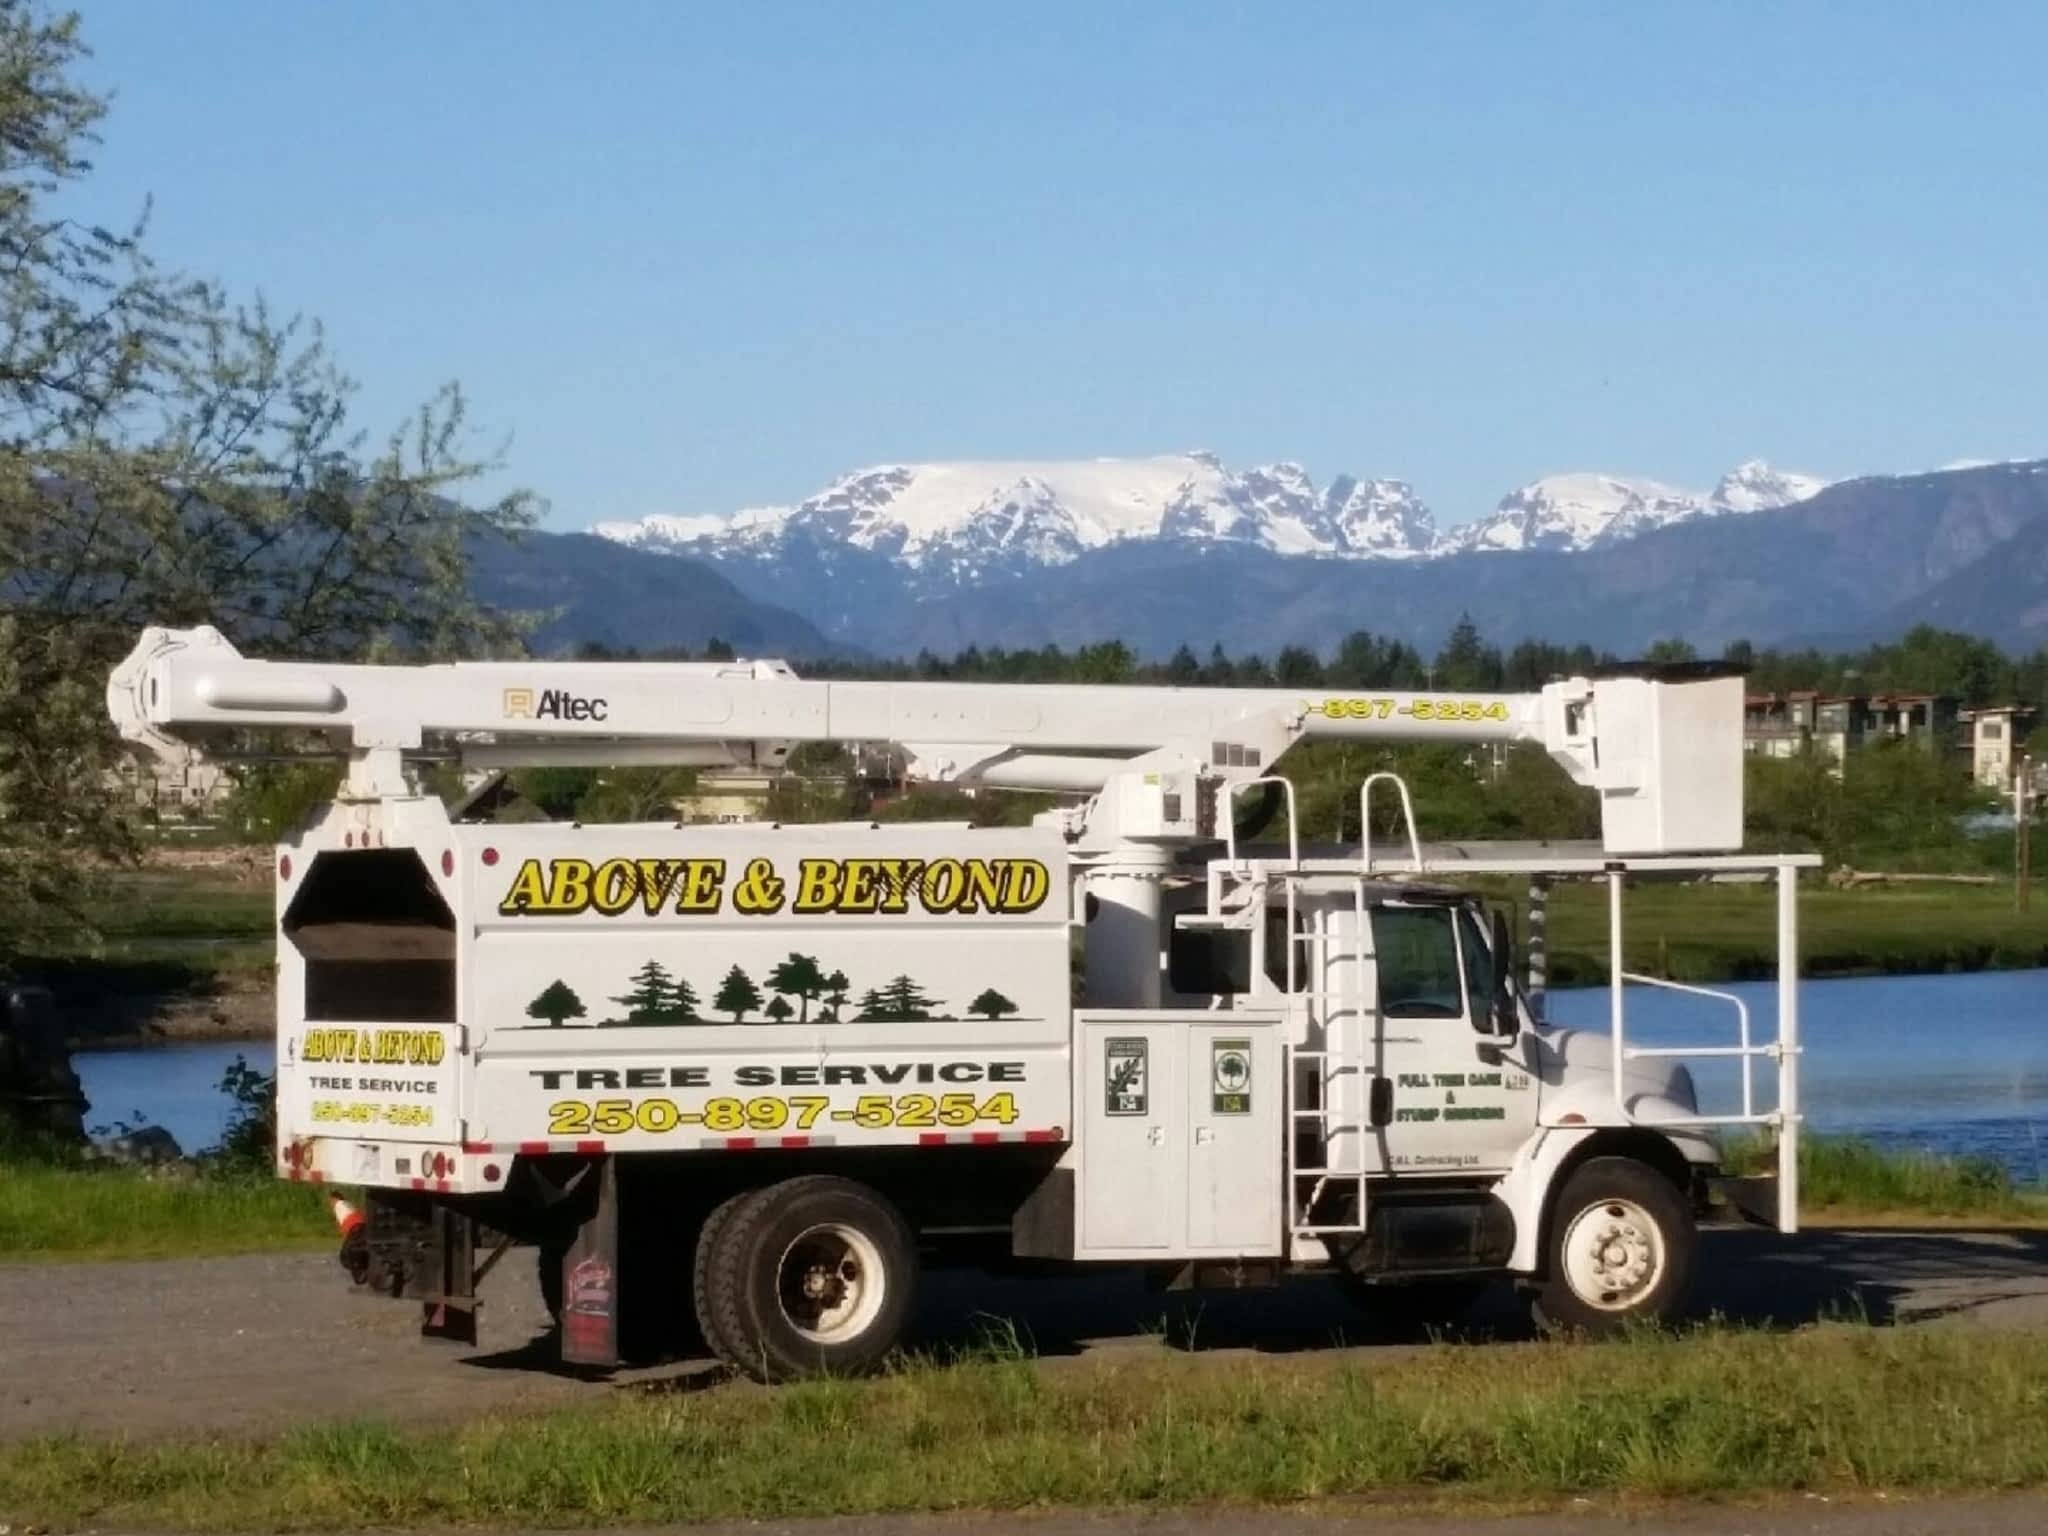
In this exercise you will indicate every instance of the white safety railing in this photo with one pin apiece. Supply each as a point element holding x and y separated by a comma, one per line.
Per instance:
<point>1230,821</point>
<point>1783,1118</point>
<point>1407,818</point>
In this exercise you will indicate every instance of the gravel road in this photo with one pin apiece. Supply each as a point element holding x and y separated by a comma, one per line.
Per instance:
<point>255,1344</point>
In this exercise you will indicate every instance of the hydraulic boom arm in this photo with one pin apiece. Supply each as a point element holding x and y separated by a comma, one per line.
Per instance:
<point>1665,756</point>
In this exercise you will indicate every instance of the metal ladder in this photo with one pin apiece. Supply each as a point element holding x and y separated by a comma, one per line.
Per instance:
<point>1344,1056</point>
<point>1341,1062</point>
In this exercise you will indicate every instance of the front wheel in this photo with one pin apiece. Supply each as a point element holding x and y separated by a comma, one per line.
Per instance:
<point>811,1277</point>
<point>1621,1249</point>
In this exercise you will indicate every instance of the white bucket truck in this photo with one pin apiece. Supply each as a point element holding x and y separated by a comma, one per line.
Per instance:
<point>753,1077</point>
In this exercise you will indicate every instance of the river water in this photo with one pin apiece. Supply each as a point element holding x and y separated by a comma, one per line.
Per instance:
<point>1950,1063</point>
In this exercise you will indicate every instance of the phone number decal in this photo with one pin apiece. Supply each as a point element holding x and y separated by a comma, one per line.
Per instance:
<point>1444,711</point>
<point>337,1112</point>
<point>798,1112</point>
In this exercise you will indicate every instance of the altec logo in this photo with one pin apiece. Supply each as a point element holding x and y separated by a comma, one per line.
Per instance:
<point>552,704</point>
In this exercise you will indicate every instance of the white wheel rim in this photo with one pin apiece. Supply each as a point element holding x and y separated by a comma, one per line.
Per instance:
<point>830,1283</point>
<point>1613,1255</point>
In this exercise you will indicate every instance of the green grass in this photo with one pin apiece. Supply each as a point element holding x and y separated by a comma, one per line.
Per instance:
<point>1839,1408</point>
<point>1842,1174</point>
<point>52,1210</point>
<point>1727,932</point>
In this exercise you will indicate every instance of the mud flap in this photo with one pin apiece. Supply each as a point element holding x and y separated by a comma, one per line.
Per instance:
<point>590,1279</point>
<point>449,1312</point>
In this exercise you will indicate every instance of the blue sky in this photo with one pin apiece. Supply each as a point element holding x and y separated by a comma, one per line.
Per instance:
<point>689,258</point>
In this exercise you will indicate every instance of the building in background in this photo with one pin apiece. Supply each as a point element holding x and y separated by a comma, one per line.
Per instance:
<point>1998,736</point>
<point>1786,724</point>
<point>187,791</point>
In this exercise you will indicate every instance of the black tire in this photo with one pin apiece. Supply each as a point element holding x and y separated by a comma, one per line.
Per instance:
<point>710,1269</point>
<point>1631,1242</point>
<point>815,1276</point>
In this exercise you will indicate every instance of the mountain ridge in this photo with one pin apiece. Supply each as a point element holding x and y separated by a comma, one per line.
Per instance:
<point>960,523</point>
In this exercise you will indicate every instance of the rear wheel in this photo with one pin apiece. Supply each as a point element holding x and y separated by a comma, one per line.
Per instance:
<point>812,1277</point>
<point>710,1277</point>
<point>1621,1249</point>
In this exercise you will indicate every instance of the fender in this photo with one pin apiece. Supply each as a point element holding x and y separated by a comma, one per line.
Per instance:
<point>1525,1188</point>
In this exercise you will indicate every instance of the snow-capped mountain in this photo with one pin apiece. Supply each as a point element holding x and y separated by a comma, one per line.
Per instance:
<point>960,523</point>
<point>970,520</point>
<point>1583,511</point>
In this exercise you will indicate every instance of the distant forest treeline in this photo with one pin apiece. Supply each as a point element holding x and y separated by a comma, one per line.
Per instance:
<point>1924,660</point>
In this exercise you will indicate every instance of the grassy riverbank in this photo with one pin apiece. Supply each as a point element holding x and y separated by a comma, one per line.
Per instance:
<point>1710,1413</point>
<point>54,1211</point>
<point>1728,932</point>
<point>183,948</point>
<point>1845,1179</point>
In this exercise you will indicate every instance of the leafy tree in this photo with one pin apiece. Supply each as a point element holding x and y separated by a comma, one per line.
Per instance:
<point>169,457</point>
<point>1109,662</point>
<point>656,997</point>
<point>1666,653</point>
<point>556,1003</point>
<point>1298,667</point>
<point>636,794</point>
<point>1467,662</point>
<point>800,978</point>
<point>992,1005</point>
<point>270,800</point>
<point>557,791</point>
<point>737,995</point>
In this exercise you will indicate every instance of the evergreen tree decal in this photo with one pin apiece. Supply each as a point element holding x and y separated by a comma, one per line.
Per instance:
<point>737,995</point>
<point>992,1004</point>
<point>778,1009</point>
<point>902,1001</point>
<point>835,995</point>
<point>555,1003</point>
<point>800,978</point>
<point>657,997</point>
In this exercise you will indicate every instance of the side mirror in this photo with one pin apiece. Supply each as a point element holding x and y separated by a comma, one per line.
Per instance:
<point>1507,1022</point>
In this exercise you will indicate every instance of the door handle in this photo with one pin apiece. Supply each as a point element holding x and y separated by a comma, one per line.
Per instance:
<point>1381,1102</point>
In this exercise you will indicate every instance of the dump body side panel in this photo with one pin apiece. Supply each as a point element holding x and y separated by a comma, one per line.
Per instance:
<point>665,988</point>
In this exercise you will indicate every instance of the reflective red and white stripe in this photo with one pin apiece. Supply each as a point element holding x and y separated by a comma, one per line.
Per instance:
<point>981,1138</point>
<point>764,1143</point>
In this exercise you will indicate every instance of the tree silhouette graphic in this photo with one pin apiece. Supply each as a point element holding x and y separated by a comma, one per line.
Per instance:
<point>992,1004</point>
<point>555,1003</point>
<point>800,978</point>
<point>901,1001</point>
<point>737,995</point>
<point>778,1008</point>
<point>835,995</point>
<point>656,997</point>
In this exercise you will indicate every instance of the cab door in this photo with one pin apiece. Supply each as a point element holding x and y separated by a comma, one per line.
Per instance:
<point>1453,1097</point>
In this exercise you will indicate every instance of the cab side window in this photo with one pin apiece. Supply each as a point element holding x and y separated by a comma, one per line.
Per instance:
<point>1416,955</point>
<point>1478,962</point>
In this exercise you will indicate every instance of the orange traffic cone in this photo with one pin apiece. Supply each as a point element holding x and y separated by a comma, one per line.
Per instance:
<point>355,1238</point>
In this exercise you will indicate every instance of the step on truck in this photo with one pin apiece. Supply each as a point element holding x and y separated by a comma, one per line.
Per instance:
<point>742,1083</point>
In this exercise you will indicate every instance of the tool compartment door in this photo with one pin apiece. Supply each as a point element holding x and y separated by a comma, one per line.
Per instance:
<point>1234,1116</point>
<point>1178,1119</point>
